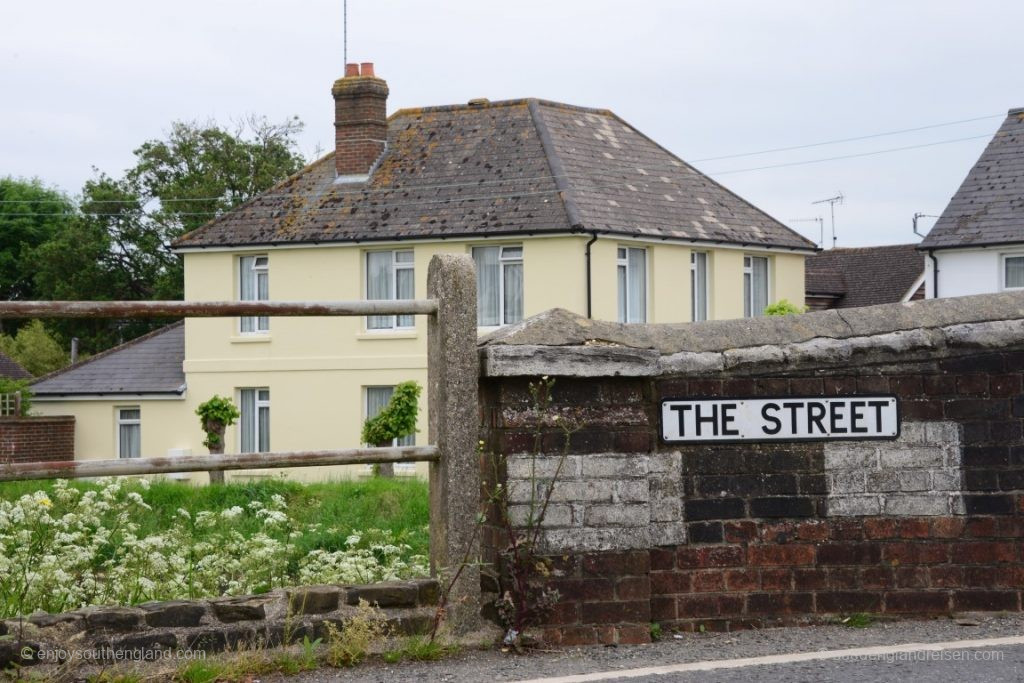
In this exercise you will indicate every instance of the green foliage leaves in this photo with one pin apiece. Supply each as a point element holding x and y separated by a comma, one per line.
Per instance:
<point>784,307</point>
<point>214,416</point>
<point>34,349</point>
<point>10,386</point>
<point>398,418</point>
<point>30,214</point>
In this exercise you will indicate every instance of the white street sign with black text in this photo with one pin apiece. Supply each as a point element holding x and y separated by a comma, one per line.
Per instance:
<point>780,419</point>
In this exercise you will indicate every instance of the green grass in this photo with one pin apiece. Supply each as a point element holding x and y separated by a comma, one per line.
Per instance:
<point>399,505</point>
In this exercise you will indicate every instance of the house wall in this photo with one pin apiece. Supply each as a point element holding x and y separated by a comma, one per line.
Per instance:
<point>166,424</point>
<point>317,368</point>
<point>963,272</point>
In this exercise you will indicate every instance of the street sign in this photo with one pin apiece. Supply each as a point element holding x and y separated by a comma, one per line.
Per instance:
<point>787,418</point>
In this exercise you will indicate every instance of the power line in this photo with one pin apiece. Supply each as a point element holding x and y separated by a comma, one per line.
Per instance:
<point>393,190</point>
<point>849,156</point>
<point>853,139</point>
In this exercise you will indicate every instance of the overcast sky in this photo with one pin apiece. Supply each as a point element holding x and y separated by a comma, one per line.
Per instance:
<point>84,83</point>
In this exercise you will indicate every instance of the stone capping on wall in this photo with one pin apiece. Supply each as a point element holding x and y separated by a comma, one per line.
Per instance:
<point>558,342</point>
<point>215,624</point>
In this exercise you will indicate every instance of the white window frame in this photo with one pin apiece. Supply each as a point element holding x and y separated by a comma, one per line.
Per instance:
<point>257,404</point>
<point>622,261</point>
<point>397,322</point>
<point>748,293</point>
<point>260,266</point>
<point>121,421</point>
<point>503,262</point>
<point>1002,270</point>
<point>694,270</point>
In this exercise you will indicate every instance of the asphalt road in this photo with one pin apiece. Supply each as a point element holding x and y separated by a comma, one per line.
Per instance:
<point>966,664</point>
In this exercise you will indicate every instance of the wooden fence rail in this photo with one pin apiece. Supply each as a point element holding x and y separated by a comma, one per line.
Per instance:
<point>203,463</point>
<point>211,309</point>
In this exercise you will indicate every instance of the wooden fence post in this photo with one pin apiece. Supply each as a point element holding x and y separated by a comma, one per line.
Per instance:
<point>452,390</point>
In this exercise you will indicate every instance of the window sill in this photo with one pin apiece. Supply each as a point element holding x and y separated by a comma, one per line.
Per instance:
<point>250,339</point>
<point>389,334</point>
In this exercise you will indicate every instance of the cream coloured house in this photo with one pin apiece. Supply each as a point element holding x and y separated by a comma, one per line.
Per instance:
<point>559,206</point>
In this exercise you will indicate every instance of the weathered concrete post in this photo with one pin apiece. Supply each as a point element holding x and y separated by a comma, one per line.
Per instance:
<point>452,403</point>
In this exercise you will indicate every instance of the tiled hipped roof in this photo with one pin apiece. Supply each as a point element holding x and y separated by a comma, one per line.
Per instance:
<point>150,364</point>
<point>989,206</point>
<point>517,167</point>
<point>864,276</point>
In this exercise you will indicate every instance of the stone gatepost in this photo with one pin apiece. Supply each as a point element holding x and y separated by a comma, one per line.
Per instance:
<point>452,405</point>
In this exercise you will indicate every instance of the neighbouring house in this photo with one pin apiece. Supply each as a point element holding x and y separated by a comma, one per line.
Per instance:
<point>11,369</point>
<point>977,245</point>
<point>560,206</point>
<point>864,276</point>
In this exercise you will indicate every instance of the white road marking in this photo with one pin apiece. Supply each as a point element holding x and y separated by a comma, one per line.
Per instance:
<point>711,665</point>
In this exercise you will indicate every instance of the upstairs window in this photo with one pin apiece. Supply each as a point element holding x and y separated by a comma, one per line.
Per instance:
<point>254,285</point>
<point>1013,272</point>
<point>254,425</point>
<point>755,285</point>
<point>499,285</point>
<point>389,277</point>
<point>129,432</point>
<point>698,285</point>
<point>632,273</point>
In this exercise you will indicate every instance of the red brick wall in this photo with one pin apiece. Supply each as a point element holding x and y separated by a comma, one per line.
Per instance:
<point>37,439</point>
<point>762,545</point>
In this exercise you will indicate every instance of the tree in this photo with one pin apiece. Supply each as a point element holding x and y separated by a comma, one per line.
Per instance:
<point>30,214</point>
<point>215,416</point>
<point>34,349</point>
<point>119,246</point>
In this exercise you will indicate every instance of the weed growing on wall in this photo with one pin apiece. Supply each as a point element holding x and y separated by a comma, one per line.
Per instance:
<point>525,598</point>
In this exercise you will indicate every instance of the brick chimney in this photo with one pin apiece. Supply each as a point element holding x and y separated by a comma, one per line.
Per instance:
<point>360,121</point>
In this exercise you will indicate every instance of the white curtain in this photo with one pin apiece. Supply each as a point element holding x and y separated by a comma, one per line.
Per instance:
<point>759,285</point>
<point>1015,271</point>
<point>623,293</point>
<point>248,420</point>
<point>378,286</point>
<point>247,289</point>
<point>487,285</point>
<point>262,294</point>
<point>513,274</point>
<point>263,416</point>
<point>130,434</point>
<point>699,285</point>
<point>637,259</point>
<point>404,281</point>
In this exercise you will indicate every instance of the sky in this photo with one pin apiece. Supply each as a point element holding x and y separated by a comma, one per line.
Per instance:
<point>84,84</point>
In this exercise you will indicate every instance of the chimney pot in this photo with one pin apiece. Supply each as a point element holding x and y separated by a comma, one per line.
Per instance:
<point>367,69</point>
<point>351,70</point>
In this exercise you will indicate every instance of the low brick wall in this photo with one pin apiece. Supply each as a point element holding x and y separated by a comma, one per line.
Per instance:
<point>751,534</point>
<point>37,439</point>
<point>268,620</point>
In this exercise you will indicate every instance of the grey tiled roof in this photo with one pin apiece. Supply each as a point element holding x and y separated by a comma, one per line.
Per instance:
<point>10,368</point>
<point>989,206</point>
<point>150,364</point>
<point>864,276</point>
<point>513,167</point>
